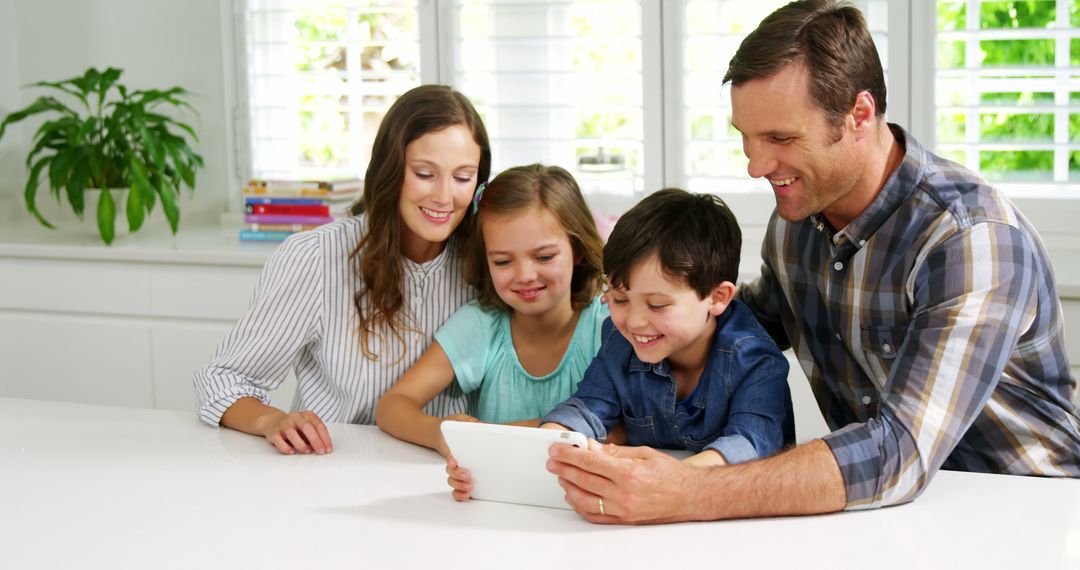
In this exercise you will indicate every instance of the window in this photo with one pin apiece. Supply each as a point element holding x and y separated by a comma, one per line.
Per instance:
<point>558,82</point>
<point>1007,91</point>
<point>320,76</point>
<point>710,149</point>
<point>585,84</point>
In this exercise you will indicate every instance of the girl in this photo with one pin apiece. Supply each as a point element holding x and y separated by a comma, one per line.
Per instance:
<point>535,326</point>
<point>351,305</point>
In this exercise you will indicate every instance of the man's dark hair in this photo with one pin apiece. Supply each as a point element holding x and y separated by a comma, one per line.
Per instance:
<point>695,237</point>
<point>829,38</point>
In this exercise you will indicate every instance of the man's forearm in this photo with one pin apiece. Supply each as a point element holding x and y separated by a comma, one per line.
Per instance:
<point>801,481</point>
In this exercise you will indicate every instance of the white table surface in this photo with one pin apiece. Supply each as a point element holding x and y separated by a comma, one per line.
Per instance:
<point>104,487</point>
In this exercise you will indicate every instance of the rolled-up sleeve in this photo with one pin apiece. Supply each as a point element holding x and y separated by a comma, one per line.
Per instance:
<point>594,408</point>
<point>760,403</point>
<point>282,318</point>
<point>973,295</point>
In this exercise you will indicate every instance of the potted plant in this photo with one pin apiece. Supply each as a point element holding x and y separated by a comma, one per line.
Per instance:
<point>110,138</point>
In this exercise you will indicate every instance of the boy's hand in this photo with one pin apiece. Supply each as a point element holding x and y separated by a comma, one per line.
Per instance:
<point>707,458</point>
<point>459,479</point>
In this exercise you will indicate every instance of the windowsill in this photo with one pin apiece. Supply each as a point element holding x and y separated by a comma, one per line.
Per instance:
<point>194,243</point>
<point>217,244</point>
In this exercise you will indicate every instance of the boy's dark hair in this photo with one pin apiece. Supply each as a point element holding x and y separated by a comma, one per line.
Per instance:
<point>695,237</point>
<point>829,38</point>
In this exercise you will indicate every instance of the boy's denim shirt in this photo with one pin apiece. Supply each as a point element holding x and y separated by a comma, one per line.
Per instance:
<point>741,407</point>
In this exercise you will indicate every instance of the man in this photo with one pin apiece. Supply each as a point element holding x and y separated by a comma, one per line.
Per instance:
<point>920,302</point>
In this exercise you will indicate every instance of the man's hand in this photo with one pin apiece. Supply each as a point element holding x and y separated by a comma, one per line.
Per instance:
<point>628,485</point>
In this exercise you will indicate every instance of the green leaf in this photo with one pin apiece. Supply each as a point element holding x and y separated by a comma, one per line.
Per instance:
<point>76,184</point>
<point>108,79</point>
<point>168,203</point>
<point>30,194</point>
<point>41,105</point>
<point>60,168</point>
<point>65,87</point>
<point>106,216</point>
<point>136,212</point>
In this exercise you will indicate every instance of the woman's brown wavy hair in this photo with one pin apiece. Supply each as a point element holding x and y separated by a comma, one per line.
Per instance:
<point>377,256</point>
<point>555,190</point>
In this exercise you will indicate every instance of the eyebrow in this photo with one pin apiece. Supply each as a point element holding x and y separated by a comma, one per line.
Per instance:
<point>422,161</point>
<point>533,250</point>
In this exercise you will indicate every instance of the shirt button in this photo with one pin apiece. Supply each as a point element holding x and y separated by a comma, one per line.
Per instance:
<point>886,347</point>
<point>838,337</point>
<point>838,266</point>
<point>866,400</point>
<point>862,243</point>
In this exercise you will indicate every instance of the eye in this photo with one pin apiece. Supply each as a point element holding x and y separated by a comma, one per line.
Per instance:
<point>500,262</point>
<point>782,140</point>
<point>656,307</point>
<point>545,258</point>
<point>424,175</point>
<point>463,179</point>
<point>618,301</point>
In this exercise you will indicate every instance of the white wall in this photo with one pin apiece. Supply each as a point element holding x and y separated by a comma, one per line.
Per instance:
<point>158,44</point>
<point>13,141</point>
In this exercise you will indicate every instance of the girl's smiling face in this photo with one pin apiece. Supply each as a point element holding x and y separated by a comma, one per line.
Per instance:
<point>530,260</point>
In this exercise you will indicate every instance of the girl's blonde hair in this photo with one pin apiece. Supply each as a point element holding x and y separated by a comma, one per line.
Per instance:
<point>553,189</point>
<point>377,256</point>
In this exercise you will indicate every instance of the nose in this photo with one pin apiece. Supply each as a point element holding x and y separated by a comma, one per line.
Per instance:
<point>636,318</point>
<point>761,161</point>
<point>525,272</point>
<point>442,193</point>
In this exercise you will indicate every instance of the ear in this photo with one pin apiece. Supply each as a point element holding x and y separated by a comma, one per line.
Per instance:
<point>720,297</point>
<point>863,114</point>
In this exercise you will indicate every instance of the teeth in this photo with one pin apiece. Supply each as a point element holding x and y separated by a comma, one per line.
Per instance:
<point>435,214</point>
<point>783,181</point>
<point>646,339</point>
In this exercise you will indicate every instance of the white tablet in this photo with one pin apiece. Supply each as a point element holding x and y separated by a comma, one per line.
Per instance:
<point>507,463</point>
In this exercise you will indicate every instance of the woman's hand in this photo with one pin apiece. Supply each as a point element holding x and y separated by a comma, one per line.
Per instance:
<point>298,432</point>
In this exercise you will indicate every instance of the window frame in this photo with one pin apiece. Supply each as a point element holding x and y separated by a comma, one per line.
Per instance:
<point>911,63</point>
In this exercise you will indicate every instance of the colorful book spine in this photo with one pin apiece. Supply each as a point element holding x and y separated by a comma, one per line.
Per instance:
<point>297,209</point>
<point>253,200</point>
<point>282,227</point>
<point>286,219</point>
<point>259,235</point>
<point>342,185</point>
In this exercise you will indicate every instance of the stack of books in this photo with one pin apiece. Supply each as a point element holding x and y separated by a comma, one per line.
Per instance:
<point>276,209</point>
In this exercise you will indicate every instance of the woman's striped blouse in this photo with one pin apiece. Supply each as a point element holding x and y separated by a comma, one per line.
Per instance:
<point>302,316</point>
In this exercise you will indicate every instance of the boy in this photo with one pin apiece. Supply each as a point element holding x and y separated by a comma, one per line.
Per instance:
<point>688,367</point>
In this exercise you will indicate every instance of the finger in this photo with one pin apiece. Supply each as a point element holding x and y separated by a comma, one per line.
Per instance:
<point>311,434</point>
<point>461,495</point>
<point>320,427</point>
<point>279,442</point>
<point>587,504</point>
<point>293,437</point>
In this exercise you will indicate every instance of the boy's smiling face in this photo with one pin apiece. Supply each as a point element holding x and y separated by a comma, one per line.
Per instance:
<point>664,318</point>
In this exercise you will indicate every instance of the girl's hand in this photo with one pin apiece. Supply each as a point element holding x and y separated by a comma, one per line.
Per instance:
<point>459,479</point>
<point>441,446</point>
<point>298,432</point>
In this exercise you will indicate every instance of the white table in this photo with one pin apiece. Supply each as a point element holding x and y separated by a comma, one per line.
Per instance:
<point>104,487</point>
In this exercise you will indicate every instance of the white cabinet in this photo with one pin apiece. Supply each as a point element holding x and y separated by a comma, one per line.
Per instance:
<point>125,325</point>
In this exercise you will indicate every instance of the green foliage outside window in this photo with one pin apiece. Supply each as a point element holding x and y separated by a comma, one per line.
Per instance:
<point>999,120</point>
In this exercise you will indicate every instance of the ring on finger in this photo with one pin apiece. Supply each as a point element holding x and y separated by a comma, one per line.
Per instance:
<point>600,501</point>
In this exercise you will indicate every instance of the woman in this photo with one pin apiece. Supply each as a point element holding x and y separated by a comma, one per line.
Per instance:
<point>351,305</point>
